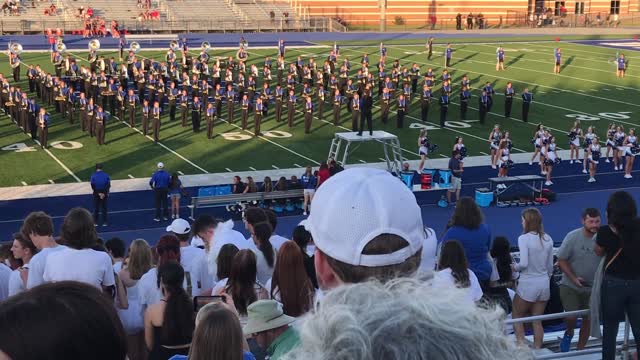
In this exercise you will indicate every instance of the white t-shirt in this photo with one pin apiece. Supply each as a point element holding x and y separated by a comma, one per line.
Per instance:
<point>148,288</point>
<point>223,235</point>
<point>5,274</point>
<point>37,264</point>
<point>117,266</point>
<point>16,285</point>
<point>277,241</point>
<point>219,286</point>
<point>197,241</point>
<point>188,256</point>
<point>87,266</point>
<point>265,272</point>
<point>429,249</point>
<point>200,275</point>
<point>444,278</point>
<point>536,256</point>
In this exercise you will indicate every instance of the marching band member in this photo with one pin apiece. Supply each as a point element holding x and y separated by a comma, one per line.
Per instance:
<point>611,146</point>
<point>257,117</point>
<point>444,108</point>
<point>24,113</point>
<point>71,103</point>
<point>631,149</point>
<point>91,117</point>
<point>406,91</point>
<point>504,160</point>
<point>448,54</point>
<point>245,110</point>
<point>196,110</point>
<point>33,114</point>
<point>279,98</point>
<point>619,150</point>
<point>266,97</point>
<point>574,141</point>
<point>588,140</point>
<point>509,93</point>
<point>93,58</point>
<point>100,125</point>
<point>423,148</point>
<point>500,58</point>
<point>551,158</point>
<point>281,48</point>
<point>594,158</point>
<point>385,105</point>
<point>349,90</point>
<point>291,107</point>
<point>465,96</point>
<point>184,107</point>
<point>483,106</point>
<point>146,114</point>
<point>321,94</point>
<point>337,104</point>
<point>557,55</point>
<point>429,48</point>
<point>383,53</point>
<point>43,126</point>
<point>495,137</point>
<point>355,111</point>
<point>527,99</point>
<point>82,103</point>
<point>58,63</point>
<point>308,115</point>
<point>218,94</point>
<point>230,97</point>
<point>132,101</point>
<point>14,62</point>
<point>156,112</point>
<point>210,115</point>
<point>621,65</point>
<point>401,111</point>
<point>537,142</point>
<point>121,96</point>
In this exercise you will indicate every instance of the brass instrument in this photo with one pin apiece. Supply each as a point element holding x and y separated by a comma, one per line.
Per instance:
<point>61,47</point>
<point>60,98</point>
<point>173,45</point>
<point>134,47</point>
<point>15,48</point>
<point>205,46</point>
<point>94,45</point>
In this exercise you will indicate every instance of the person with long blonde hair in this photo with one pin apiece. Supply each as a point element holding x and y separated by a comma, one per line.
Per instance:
<point>535,267</point>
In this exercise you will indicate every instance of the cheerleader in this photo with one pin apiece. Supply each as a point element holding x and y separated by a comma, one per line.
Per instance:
<point>630,150</point>
<point>594,158</point>
<point>544,141</point>
<point>423,148</point>
<point>461,149</point>
<point>537,142</point>
<point>619,150</point>
<point>550,158</point>
<point>504,160</point>
<point>494,139</point>
<point>610,143</point>
<point>588,140</point>
<point>507,137</point>
<point>574,141</point>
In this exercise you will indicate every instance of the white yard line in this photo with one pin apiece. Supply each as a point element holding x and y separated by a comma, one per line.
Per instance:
<point>60,163</point>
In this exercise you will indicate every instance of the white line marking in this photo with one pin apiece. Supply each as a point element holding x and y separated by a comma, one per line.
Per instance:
<point>483,153</point>
<point>24,183</point>
<point>180,172</point>
<point>606,89</point>
<point>51,181</point>
<point>619,89</point>
<point>443,155</point>
<point>130,176</point>
<point>252,168</point>
<point>381,159</point>
<point>296,165</point>
<point>60,163</point>
<point>229,170</point>
<point>362,161</point>
<point>275,167</point>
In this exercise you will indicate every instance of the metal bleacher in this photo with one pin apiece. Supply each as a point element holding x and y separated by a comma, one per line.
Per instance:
<point>260,10</point>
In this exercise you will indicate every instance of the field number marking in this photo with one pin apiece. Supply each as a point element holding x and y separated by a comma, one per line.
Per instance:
<point>63,145</point>
<point>238,136</point>
<point>606,115</point>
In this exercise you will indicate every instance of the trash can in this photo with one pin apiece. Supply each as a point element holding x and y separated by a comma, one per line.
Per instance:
<point>484,197</point>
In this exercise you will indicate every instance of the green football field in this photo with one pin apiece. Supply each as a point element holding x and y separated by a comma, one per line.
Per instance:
<point>586,89</point>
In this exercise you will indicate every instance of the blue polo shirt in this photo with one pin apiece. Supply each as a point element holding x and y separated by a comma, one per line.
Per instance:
<point>100,181</point>
<point>160,180</point>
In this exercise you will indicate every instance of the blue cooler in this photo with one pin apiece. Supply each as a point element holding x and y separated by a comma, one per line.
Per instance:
<point>445,178</point>
<point>407,178</point>
<point>484,197</point>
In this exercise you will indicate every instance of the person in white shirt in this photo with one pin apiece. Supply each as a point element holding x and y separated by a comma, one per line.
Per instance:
<point>224,262</point>
<point>536,268</point>
<point>5,275</point>
<point>38,227</point>
<point>188,254</point>
<point>115,248</point>
<point>24,250</point>
<point>275,239</point>
<point>168,250</point>
<point>257,222</point>
<point>453,270</point>
<point>203,229</point>
<point>79,262</point>
<point>429,250</point>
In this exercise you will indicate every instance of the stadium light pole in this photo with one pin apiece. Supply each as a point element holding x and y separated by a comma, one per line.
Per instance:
<point>383,15</point>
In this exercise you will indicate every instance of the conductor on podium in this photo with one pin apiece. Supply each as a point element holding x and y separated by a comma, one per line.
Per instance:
<point>366,113</point>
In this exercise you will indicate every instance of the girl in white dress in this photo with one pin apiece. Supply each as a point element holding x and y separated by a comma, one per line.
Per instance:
<point>504,159</point>
<point>551,158</point>
<point>619,149</point>
<point>494,139</point>
<point>630,151</point>
<point>594,158</point>
<point>574,141</point>
<point>588,140</point>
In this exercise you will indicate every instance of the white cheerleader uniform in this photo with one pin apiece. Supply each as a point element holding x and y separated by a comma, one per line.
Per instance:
<point>503,161</point>
<point>495,140</point>
<point>588,140</point>
<point>632,141</point>
<point>595,153</point>
<point>539,139</point>
<point>618,139</point>
<point>423,150</point>
<point>458,148</point>
<point>576,140</point>
<point>610,135</point>
<point>551,155</point>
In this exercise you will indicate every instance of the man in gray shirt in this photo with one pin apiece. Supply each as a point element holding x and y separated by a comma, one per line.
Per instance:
<point>578,263</point>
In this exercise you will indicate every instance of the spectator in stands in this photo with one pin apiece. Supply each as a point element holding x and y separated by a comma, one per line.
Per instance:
<point>115,248</point>
<point>188,254</point>
<point>203,229</point>
<point>334,168</point>
<point>302,238</point>
<point>618,243</point>
<point>38,227</point>
<point>535,267</point>
<point>356,238</point>
<point>7,258</point>
<point>5,276</point>
<point>167,250</point>
<point>257,222</point>
<point>41,322</point>
<point>467,226</point>
<point>453,271</point>
<point>242,283</point>
<point>323,173</point>
<point>218,335</point>
<point>448,326</point>
<point>269,325</point>
<point>225,260</point>
<point>429,250</point>
<point>23,249</point>
<point>160,184</point>
<point>137,264</point>
<point>169,324</point>
<point>294,183</point>
<point>176,190</point>
<point>79,262</point>
<point>578,262</point>
<point>251,186</point>
<point>238,185</point>
<point>502,275</point>
<point>275,239</point>
<point>272,16</point>
<point>282,185</point>
<point>290,284</point>
<point>267,185</point>
<point>309,183</point>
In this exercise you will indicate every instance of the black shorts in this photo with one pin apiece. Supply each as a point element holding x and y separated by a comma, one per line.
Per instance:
<point>557,63</point>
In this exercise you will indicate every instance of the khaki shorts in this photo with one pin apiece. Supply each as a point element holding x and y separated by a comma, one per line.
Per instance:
<point>573,299</point>
<point>456,183</point>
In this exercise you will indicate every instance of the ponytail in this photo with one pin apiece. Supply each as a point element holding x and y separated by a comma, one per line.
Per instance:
<point>263,231</point>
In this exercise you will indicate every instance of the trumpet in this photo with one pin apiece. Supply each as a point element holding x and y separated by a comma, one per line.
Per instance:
<point>94,44</point>
<point>15,48</point>
<point>206,46</point>
<point>134,46</point>
<point>173,45</point>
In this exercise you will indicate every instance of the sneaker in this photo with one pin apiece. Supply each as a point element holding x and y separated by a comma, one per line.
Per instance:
<point>628,176</point>
<point>591,180</point>
<point>548,183</point>
<point>105,224</point>
<point>304,213</point>
<point>166,218</point>
<point>156,219</point>
<point>607,161</point>
<point>544,173</point>
<point>565,344</point>
<point>530,162</point>
<point>584,171</point>
<point>493,167</point>
<point>571,162</point>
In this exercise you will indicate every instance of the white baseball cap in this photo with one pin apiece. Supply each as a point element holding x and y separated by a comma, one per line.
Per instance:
<point>160,165</point>
<point>179,226</point>
<point>355,206</point>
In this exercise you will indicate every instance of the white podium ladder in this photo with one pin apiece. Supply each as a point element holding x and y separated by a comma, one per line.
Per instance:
<point>341,147</point>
